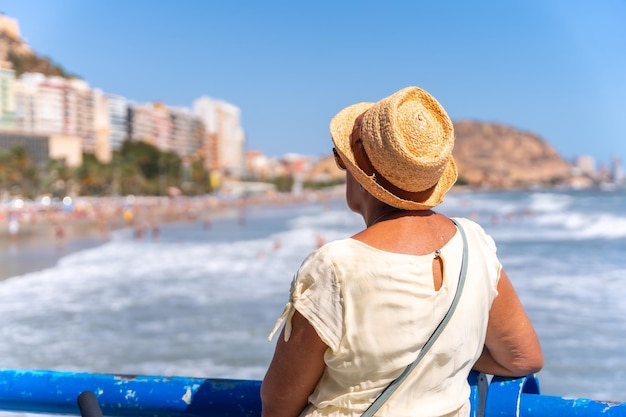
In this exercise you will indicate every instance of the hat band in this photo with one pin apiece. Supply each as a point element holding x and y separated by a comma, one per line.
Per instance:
<point>364,163</point>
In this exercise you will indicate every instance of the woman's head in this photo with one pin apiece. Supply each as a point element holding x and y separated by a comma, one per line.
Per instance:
<point>399,149</point>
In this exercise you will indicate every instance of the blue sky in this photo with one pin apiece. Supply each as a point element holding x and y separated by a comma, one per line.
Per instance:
<point>555,68</point>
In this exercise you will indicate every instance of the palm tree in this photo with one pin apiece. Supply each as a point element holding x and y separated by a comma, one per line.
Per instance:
<point>18,174</point>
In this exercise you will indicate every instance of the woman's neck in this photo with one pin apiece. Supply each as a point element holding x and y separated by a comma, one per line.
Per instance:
<point>388,213</point>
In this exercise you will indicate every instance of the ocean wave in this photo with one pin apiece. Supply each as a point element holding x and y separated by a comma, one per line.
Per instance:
<point>202,300</point>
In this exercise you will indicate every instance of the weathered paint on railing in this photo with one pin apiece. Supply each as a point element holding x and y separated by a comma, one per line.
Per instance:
<point>521,397</point>
<point>52,392</point>
<point>125,395</point>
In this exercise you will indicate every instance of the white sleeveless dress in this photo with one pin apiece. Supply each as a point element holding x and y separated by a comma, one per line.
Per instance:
<point>376,309</point>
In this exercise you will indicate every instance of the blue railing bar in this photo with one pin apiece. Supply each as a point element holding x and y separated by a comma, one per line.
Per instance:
<point>520,397</point>
<point>54,392</point>
<point>51,392</point>
<point>532,405</point>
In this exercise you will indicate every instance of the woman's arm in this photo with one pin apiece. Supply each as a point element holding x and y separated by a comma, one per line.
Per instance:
<point>296,367</point>
<point>511,347</point>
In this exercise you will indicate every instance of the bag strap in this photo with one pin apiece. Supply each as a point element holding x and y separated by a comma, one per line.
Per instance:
<point>393,385</point>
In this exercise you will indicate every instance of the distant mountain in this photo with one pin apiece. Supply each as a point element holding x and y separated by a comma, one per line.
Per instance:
<point>494,156</point>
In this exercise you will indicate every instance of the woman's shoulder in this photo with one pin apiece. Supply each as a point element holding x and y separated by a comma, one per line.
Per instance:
<point>469,224</point>
<point>338,248</point>
<point>475,232</point>
<point>336,252</point>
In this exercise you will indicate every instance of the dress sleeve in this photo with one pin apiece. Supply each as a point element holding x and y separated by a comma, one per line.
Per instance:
<point>488,247</point>
<point>316,295</point>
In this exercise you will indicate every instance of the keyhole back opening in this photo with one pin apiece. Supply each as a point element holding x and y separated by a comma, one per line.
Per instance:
<point>438,266</point>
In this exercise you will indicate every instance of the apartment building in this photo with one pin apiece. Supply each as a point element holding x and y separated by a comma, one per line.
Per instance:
<point>69,113</point>
<point>7,99</point>
<point>39,104</point>
<point>118,114</point>
<point>617,170</point>
<point>141,122</point>
<point>174,129</point>
<point>187,132</point>
<point>585,165</point>
<point>222,121</point>
<point>151,123</point>
<point>46,106</point>
<point>102,127</point>
<point>79,112</point>
<point>162,127</point>
<point>55,105</point>
<point>41,148</point>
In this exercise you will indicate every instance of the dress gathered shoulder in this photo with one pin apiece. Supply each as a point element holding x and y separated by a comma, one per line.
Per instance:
<point>376,309</point>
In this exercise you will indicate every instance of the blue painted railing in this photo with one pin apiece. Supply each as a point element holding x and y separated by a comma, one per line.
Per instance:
<point>52,392</point>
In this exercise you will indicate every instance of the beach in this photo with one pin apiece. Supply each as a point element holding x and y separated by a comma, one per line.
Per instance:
<point>36,253</point>
<point>34,236</point>
<point>201,298</point>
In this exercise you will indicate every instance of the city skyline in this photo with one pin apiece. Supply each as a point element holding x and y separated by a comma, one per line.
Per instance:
<point>550,68</point>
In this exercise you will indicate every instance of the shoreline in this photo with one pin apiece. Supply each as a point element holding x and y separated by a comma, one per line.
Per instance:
<point>17,259</point>
<point>44,235</point>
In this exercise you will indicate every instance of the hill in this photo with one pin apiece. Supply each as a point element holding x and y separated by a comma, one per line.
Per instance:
<point>495,156</point>
<point>16,54</point>
<point>500,156</point>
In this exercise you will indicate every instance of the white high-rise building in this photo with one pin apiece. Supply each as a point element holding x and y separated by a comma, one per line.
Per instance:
<point>55,105</point>
<point>79,109</point>
<point>101,127</point>
<point>585,165</point>
<point>617,170</point>
<point>7,99</point>
<point>39,104</point>
<point>223,121</point>
<point>117,109</point>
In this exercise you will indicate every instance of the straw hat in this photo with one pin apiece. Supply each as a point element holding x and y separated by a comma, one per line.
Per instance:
<point>401,149</point>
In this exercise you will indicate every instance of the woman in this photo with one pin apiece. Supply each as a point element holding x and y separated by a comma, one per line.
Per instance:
<point>362,308</point>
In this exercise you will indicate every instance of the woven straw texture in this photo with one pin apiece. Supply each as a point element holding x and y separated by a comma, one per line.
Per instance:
<point>408,138</point>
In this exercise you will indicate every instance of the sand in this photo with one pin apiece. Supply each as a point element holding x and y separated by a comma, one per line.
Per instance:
<point>21,257</point>
<point>45,234</point>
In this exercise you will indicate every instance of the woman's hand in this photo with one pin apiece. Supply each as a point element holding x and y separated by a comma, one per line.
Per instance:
<point>295,369</point>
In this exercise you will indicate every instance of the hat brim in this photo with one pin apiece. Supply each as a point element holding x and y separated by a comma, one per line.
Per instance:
<point>341,127</point>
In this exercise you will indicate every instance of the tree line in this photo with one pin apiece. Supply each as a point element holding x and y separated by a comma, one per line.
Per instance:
<point>136,168</point>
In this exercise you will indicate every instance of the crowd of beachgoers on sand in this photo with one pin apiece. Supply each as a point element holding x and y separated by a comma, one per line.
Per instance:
<point>75,217</point>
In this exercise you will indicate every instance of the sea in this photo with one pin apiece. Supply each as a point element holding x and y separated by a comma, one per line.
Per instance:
<point>200,299</point>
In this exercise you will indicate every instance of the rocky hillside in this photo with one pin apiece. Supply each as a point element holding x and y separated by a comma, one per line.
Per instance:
<point>493,155</point>
<point>16,54</point>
